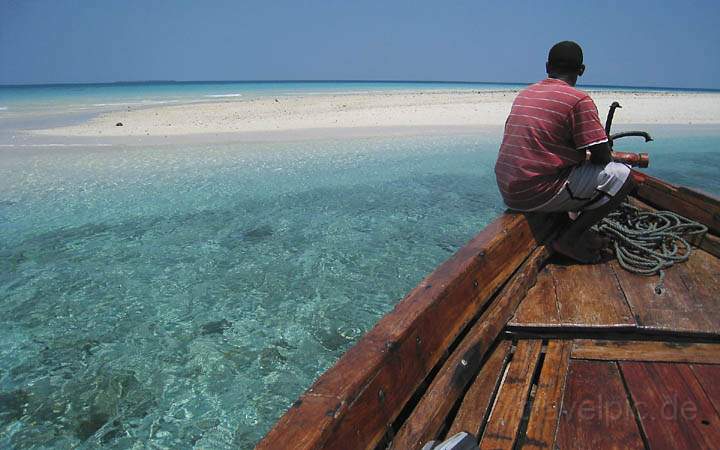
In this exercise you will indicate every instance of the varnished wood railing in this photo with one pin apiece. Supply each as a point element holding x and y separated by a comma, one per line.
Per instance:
<point>699,206</point>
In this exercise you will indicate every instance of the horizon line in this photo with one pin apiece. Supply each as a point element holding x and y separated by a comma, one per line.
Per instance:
<point>130,82</point>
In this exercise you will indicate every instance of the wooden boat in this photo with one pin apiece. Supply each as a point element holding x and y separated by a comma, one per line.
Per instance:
<point>508,342</point>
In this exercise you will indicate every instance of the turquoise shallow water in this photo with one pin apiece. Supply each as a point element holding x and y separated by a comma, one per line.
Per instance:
<point>177,297</point>
<point>180,297</point>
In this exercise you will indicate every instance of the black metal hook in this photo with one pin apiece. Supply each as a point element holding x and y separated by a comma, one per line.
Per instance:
<point>608,126</point>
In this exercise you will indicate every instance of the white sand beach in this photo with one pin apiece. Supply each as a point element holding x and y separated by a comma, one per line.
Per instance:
<point>355,114</point>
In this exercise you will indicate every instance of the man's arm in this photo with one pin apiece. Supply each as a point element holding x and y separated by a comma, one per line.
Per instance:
<point>588,132</point>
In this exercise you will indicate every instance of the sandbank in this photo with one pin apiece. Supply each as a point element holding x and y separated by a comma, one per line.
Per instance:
<point>363,114</point>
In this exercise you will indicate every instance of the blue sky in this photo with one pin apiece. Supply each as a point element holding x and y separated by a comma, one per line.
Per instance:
<point>647,43</point>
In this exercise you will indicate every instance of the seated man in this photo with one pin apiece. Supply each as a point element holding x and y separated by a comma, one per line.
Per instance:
<point>542,164</point>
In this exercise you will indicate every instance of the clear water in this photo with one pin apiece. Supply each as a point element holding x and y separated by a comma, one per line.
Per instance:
<point>177,297</point>
<point>180,297</point>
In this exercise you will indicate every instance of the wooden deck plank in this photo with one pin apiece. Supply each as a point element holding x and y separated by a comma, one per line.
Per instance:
<point>546,406</point>
<point>701,274</point>
<point>590,295</point>
<point>539,308</point>
<point>575,296</point>
<point>686,305</point>
<point>358,399</point>
<point>596,413</point>
<point>708,377</point>
<point>430,413</point>
<point>675,309</point>
<point>475,405</point>
<point>607,296</point>
<point>502,426</point>
<point>658,351</point>
<point>674,411</point>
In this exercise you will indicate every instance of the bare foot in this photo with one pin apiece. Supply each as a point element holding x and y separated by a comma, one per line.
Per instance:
<point>577,252</point>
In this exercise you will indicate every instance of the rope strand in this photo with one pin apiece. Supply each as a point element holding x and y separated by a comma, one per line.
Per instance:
<point>647,243</point>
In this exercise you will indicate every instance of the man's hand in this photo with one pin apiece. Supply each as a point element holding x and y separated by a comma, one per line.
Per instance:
<point>600,153</point>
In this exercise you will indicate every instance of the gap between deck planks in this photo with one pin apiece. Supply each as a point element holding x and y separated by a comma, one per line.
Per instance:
<point>546,405</point>
<point>513,399</point>
<point>502,427</point>
<point>475,405</point>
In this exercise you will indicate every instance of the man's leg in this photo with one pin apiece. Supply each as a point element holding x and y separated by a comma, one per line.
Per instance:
<point>571,242</point>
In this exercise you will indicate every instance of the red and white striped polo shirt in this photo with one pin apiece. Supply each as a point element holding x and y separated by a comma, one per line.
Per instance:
<point>549,126</point>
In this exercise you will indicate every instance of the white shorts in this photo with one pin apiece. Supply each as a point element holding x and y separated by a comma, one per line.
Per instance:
<point>589,186</point>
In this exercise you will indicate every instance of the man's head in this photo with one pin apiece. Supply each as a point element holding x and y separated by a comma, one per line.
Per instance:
<point>565,61</point>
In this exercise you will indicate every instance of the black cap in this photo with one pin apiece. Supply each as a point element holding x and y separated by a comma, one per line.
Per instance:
<point>565,55</point>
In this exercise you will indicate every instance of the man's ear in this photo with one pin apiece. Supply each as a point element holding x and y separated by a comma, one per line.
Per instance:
<point>581,70</point>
